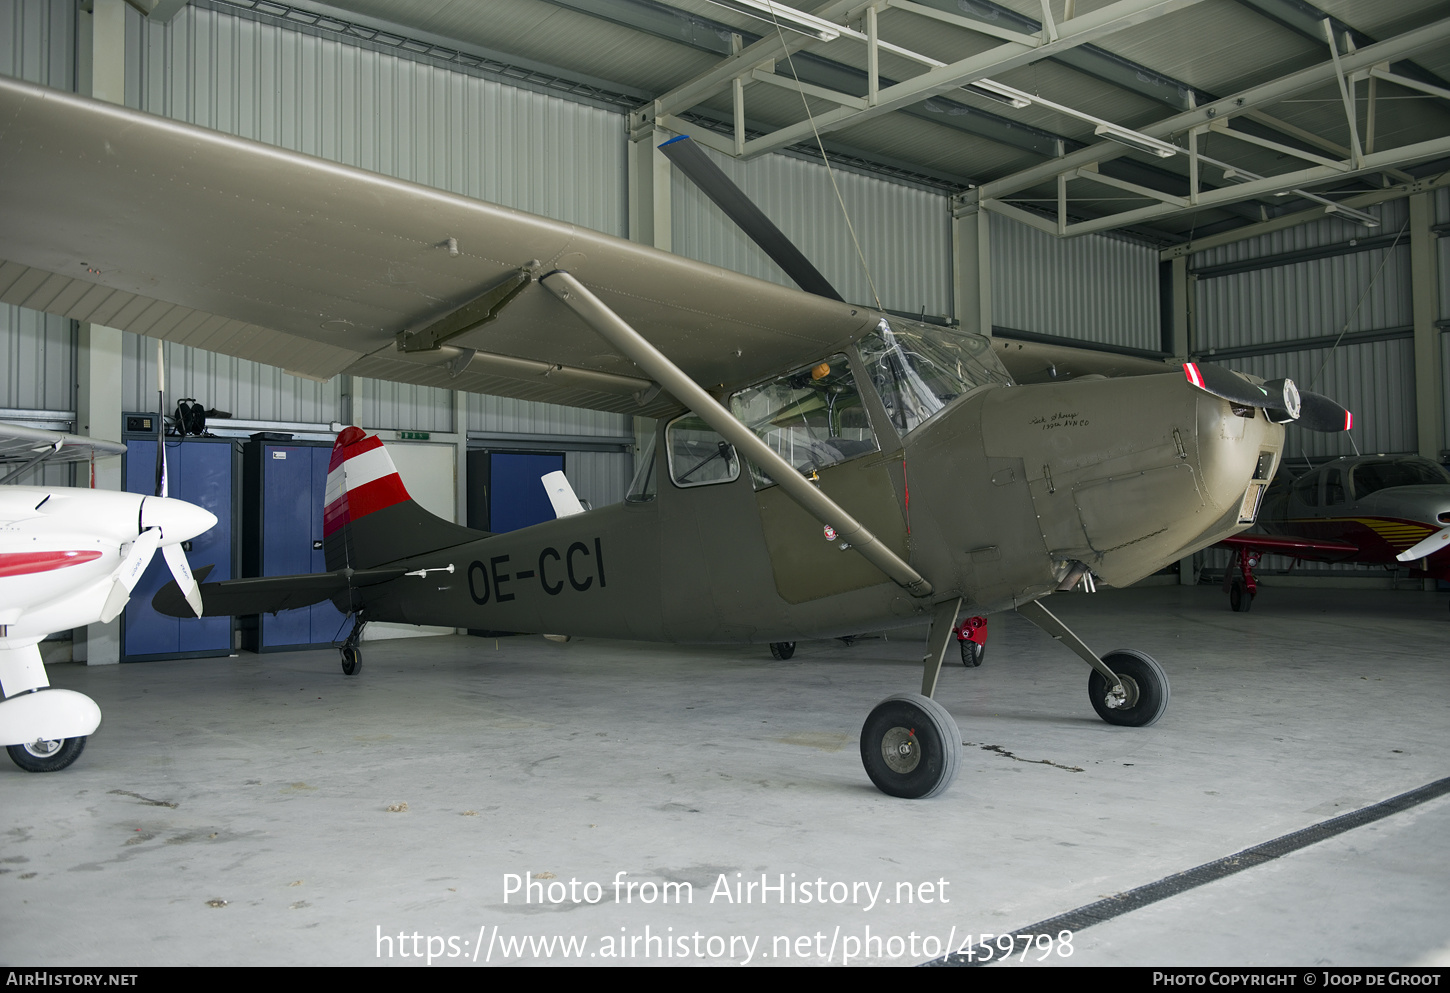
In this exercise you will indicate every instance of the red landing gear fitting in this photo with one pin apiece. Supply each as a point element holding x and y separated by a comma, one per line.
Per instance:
<point>972,637</point>
<point>1238,581</point>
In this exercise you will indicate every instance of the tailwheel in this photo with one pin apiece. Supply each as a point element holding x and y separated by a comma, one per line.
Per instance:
<point>911,747</point>
<point>47,755</point>
<point>351,660</point>
<point>1239,598</point>
<point>782,650</point>
<point>1144,694</point>
<point>972,653</point>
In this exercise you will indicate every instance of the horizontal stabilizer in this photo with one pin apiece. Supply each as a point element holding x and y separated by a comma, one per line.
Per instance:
<point>266,594</point>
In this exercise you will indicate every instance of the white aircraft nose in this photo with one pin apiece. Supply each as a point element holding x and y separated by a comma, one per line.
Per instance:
<point>177,519</point>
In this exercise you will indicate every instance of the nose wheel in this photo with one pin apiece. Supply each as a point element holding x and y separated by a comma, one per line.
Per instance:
<point>351,653</point>
<point>47,755</point>
<point>1143,695</point>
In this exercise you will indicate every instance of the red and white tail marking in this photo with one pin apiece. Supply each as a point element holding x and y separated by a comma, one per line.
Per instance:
<point>361,479</point>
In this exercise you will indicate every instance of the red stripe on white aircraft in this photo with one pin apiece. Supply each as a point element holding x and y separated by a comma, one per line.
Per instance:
<point>26,563</point>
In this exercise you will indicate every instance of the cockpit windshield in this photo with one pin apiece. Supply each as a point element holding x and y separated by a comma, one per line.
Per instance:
<point>918,368</point>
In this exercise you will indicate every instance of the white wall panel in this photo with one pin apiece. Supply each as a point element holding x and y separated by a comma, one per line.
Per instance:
<point>37,41</point>
<point>402,406</point>
<point>1392,215</point>
<point>904,233</point>
<point>1363,291</point>
<point>508,416</point>
<point>37,361</point>
<point>1092,288</point>
<point>246,390</point>
<point>1374,380</point>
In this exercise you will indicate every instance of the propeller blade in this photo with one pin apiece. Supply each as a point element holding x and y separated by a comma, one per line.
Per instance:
<point>128,573</point>
<point>1278,398</point>
<point>181,572</point>
<point>1323,414</point>
<point>116,602</point>
<point>1440,539</point>
<point>713,182</point>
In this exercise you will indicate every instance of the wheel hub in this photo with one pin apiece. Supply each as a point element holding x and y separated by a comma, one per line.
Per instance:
<point>42,748</point>
<point>1123,696</point>
<point>901,750</point>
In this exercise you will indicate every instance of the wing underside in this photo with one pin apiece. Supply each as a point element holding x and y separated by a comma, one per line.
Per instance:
<point>129,220</point>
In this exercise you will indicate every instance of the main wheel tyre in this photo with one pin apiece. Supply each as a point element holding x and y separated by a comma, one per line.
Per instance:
<point>911,747</point>
<point>782,650</point>
<point>47,756</point>
<point>972,653</point>
<point>1239,598</point>
<point>351,661</point>
<point>1144,696</point>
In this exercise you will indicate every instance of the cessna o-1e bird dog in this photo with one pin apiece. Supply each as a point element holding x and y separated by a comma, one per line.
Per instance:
<point>71,557</point>
<point>819,468</point>
<point>1374,509</point>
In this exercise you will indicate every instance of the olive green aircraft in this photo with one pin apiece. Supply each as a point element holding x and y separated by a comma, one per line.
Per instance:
<point>819,468</point>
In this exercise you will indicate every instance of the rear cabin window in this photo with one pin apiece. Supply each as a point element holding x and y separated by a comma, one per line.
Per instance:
<point>698,455</point>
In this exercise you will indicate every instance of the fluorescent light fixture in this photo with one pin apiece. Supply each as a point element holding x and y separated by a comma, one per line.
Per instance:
<point>1135,140</point>
<point>787,17</point>
<point>996,91</point>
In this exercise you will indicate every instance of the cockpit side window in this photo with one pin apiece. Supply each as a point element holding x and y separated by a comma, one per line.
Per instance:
<point>812,417</point>
<point>1334,488</point>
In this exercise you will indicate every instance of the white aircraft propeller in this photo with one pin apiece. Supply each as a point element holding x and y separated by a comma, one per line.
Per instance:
<point>128,573</point>
<point>181,572</point>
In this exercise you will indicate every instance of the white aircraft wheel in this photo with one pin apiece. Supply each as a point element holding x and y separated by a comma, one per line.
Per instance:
<point>1144,696</point>
<point>47,756</point>
<point>911,746</point>
<point>351,661</point>
<point>782,650</point>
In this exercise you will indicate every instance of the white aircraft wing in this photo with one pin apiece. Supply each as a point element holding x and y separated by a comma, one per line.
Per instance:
<point>129,220</point>
<point>21,446</point>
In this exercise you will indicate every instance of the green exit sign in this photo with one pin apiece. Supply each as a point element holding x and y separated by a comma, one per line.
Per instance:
<point>413,435</point>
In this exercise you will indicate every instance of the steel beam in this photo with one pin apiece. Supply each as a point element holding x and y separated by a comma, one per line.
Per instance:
<point>1253,98</point>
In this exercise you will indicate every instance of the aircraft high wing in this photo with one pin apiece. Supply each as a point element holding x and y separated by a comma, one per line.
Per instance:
<point>819,468</point>
<point>1373,509</point>
<point>70,557</point>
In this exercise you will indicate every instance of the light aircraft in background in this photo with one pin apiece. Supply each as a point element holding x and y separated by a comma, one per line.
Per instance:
<point>70,557</point>
<point>1374,509</point>
<point>818,467</point>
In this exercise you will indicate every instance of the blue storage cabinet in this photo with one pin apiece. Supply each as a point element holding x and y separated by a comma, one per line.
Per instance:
<point>206,472</point>
<point>285,482</point>
<point>505,489</point>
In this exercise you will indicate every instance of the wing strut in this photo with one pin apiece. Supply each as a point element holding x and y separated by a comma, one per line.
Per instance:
<point>637,348</point>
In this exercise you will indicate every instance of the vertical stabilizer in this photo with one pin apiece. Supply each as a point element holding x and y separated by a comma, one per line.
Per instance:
<point>368,518</point>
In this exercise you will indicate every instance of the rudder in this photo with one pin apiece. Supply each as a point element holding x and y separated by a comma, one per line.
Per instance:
<point>368,518</point>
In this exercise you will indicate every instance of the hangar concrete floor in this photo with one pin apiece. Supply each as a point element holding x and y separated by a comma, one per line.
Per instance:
<point>248,810</point>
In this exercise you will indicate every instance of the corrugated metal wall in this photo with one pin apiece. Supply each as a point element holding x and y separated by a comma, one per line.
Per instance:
<point>1092,288</point>
<point>904,232</point>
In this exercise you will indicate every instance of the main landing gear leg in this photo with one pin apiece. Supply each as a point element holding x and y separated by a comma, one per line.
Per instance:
<point>910,745</point>
<point>1242,587</point>
<point>351,653</point>
<point>1132,693</point>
